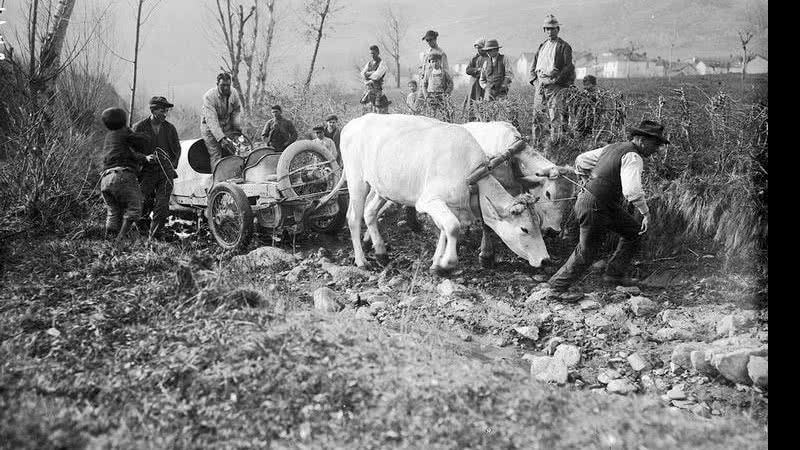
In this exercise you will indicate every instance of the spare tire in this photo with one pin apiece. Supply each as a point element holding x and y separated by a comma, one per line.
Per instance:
<point>306,168</point>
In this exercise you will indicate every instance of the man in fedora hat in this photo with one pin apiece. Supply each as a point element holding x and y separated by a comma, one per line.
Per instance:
<point>373,73</point>
<point>551,71</point>
<point>279,132</point>
<point>474,70</point>
<point>611,173</point>
<point>156,177</point>
<point>431,37</point>
<point>496,73</point>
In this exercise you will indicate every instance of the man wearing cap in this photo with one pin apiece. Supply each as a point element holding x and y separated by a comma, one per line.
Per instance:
<point>279,131</point>
<point>332,130</point>
<point>551,71</point>
<point>474,70</point>
<point>372,73</point>
<point>220,118</point>
<point>431,37</point>
<point>156,177</point>
<point>496,72</point>
<point>611,173</point>
<point>321,139</point>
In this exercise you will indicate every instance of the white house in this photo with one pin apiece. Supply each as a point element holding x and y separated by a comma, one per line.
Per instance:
<point>755,64</point>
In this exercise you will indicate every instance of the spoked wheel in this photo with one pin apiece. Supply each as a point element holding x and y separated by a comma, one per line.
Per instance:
<point>331,224</point>
<point>305,169</point>
<point>230,216</point>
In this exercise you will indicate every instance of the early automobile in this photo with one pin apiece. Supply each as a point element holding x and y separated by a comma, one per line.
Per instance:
<point>259,188</point>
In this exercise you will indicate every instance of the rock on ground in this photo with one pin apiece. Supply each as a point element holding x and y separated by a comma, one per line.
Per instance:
<point>531,332</point>
<point>548,368</point>
<point>757,370</point>
<point>345,274</point>
<point>271,258</point>
<point>607,375</point>
<point>620,386</point>
<point>643,306</point>
<point>681,354</point>
<point>638,362</point>
<point>325,300</point>
<point>732,323</point>
<point>570,354</point>
<point>701,362</point>
<point>733,365</point>
<point>672,334</point>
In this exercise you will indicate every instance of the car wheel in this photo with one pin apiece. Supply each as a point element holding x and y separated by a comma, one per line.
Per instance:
<point>230,216</point>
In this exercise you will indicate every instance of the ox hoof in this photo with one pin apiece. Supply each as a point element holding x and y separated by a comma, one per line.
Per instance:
<point>383,259</point>
<point>440,271</point>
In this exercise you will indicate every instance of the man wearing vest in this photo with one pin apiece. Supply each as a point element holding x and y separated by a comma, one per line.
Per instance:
<point>373,73</point>
<point>474,70</point>
<point>496,72</point>
<point>613,172</point>
<point>551,71</point>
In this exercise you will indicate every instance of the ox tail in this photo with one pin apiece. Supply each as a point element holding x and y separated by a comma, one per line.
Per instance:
<point>325,199</point>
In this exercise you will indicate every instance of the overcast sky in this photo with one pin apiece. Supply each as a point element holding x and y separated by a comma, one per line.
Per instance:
<point>180,54</point>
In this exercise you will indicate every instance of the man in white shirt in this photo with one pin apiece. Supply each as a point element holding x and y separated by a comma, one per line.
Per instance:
<point>220,119</point>
<point>373,73</point>
<point>551,71</point>
<point>613,172</point>
<point>321,139</point>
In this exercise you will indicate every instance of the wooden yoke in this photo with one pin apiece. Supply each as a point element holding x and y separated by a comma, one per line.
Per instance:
<point>487,166</point>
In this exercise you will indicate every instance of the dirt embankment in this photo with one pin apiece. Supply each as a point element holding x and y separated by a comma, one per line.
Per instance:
<point>172,346</point>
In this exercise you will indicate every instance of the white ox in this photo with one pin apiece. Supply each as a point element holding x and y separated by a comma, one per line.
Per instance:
<point>412,160</point>
<point>548,186</point>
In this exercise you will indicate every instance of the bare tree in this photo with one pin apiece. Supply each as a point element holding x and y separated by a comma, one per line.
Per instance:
<point>232,21</point>
<point>392,34</point>
<point>320,12</point>
<point>262,55</point>
<point>135,61</point>
<point>744,38</point>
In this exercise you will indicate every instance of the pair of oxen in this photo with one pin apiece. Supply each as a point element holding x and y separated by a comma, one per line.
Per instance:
<point>448,171</point>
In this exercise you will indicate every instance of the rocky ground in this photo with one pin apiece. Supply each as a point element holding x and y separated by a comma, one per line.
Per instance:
<point>95,340</point>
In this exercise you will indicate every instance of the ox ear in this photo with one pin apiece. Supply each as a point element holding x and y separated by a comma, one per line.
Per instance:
<point>489,211</point>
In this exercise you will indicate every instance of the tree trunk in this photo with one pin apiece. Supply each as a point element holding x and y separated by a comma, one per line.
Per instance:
<point>135,63</point>
<point>50,55</point>
<point>319,30</point>
<point>263,64</point>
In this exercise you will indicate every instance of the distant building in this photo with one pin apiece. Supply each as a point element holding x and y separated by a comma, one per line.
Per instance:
<point>712,66</point>
<point>678,69</point>
<point>623,63</point>
<point>755,64</point>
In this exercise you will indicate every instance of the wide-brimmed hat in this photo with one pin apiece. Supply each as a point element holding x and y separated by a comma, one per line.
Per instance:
<point>551,21</point>
<point>491,44</point>
<point>430,34</point>
<point>331,117</point>
<point>160,102</point>
<point>649,128</point>
<point>480,42</point>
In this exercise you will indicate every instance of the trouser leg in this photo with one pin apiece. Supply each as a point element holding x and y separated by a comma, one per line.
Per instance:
<point>147,182</point>
<point>214,149</point>
<point>592,227</point>
<point>627,227</point>
<point>114,208</point>
<point>161,195</point>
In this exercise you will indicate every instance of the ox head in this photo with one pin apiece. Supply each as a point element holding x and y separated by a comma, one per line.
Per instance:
<point>513,221</point>
<point>551,186</point>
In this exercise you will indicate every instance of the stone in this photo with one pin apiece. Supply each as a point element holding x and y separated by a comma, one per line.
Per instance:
<point>701,410</point>
<point>570,297</point>
<point>672,334</point>
<point>638,362</point>
<point>570,354</point>
<point>607,375</point>
<point>364,313</point>
<point>757,371</point>
<point>539,278</point>
<point>531,332</point>
<point>548,368</point>
<point>614,312</point>
<point>597,321</point>
<point>630,290</point>
<point>294,275</point>
<point>345,274</point>
<point>642,306</point>
<point>676,393</point>
<point>325,300</point>
<point>552,344</point>
<point>733,365</point>
<point>732,323</point>
<point>633,330</point>
<point>620,386</point>
<point>681,354</point>
<point>271,258</point>
<point>648,383</point>
<point>380,298</point>
<point>589,304</point>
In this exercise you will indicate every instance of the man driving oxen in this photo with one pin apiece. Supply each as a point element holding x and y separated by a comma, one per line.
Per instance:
<point>222,107</point>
